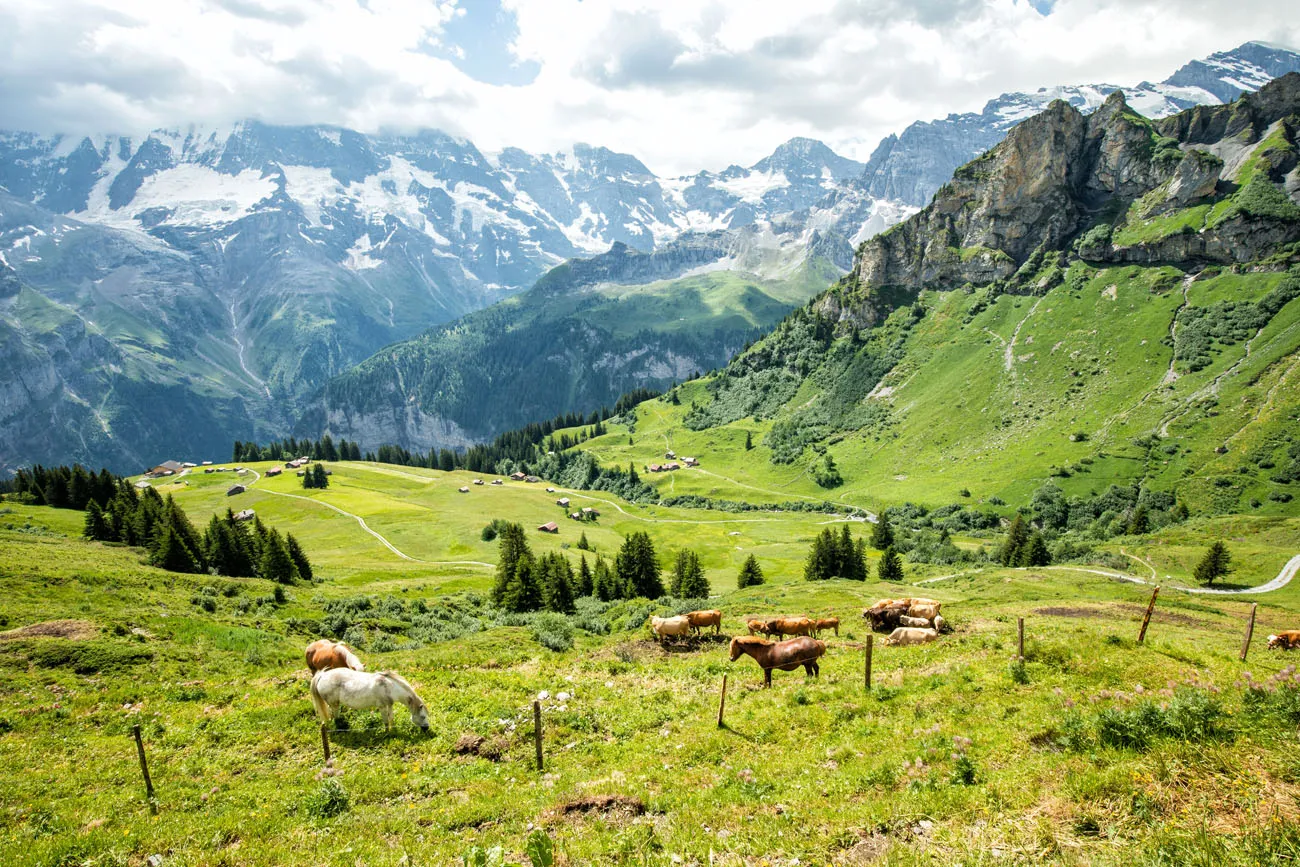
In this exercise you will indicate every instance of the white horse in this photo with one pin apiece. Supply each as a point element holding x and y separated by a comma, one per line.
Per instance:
<point>343,687</point>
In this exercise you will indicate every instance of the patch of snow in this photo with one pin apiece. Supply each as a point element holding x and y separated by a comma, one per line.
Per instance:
<point>752,186</point>
<point>196,195</point>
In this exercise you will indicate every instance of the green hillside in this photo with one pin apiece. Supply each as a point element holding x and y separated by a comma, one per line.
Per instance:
<point>1065,761</point>
<point>574,342</point>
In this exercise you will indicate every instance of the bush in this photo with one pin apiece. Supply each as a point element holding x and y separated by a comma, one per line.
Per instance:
<point>328,800</point>
<point>553,631</point>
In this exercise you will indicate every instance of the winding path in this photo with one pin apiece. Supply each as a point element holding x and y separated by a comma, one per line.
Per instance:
<point>387,544</point>
<point>1283,578</point>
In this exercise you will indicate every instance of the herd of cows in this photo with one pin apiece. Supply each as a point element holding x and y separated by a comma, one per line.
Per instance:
<point>339,678</point>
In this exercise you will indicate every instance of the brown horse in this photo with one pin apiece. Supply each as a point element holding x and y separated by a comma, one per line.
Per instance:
<point>325,654</point>
<point>785,655</point>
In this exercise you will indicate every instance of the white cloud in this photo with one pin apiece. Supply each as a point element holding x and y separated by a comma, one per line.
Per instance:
<point>683,85</point>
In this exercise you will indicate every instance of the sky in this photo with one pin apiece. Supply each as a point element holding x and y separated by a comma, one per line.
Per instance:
<point>684,86</point>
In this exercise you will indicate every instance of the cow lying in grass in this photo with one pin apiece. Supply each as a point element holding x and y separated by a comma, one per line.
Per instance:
<point>905,636</point>
<point>1288,640</point>
<point>783,655</point>
<point>670,627</point>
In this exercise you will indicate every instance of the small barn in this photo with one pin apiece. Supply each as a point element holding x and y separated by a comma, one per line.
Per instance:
<point>141,485</point>
<point>532,480</point>
<point>654,468</point>
<point>563,501</point>
<point>550,527</point>
<point>670,455</point>
<point>497,482</point>
<point>207,463</point>
<point>245,515</point>
<point>235,489</point>
<point>189,465</point>
<point>589,512</point>
<point>275,471</point>
<point>668,468</point>
<point>478,481</point>
<point>464,490</point>
<point>517,477</point>
<point>691,462</point>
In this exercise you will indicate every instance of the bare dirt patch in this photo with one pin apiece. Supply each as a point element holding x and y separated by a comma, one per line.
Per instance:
<point>477,745</point>
<point>605,805</point>
<point>1114,612</point>
<point>75,630</point>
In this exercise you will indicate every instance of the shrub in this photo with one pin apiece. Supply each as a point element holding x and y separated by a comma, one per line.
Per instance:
<point>553,631</point>
<point>327,800</point>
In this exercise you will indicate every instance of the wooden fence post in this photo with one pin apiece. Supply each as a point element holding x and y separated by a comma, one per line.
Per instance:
<point>144,768</point>
<point>866,663</point>
<point>1146,619</point>
<point>722,703</point>
<point>1250,631</point>
<point>1020,639</point>
<point>325,740</point>
<point>537,731</point>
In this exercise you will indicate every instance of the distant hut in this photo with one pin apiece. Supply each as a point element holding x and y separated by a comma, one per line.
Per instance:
<point>464,490</point>
<point>518,477</point>
<point>207,463</point>
<point>142,484</point>
<point>589,512</point>
<point>497,482</point>
<point>532,479</point>
<point>478,481</point>
<point>670,455</point>
<point>654,468</point>
<point>691,462</point>
<point>550,527</point>
<point>563,501</point>
<point>245,515</point>
<point>235,489</point>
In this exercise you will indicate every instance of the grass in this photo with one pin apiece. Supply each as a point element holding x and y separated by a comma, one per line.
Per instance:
<point>813,770</point>
<point>1091,356</point>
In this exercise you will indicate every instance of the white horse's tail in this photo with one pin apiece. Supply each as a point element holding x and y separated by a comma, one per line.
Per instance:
<point>317,701</point>
<point>350,658</point>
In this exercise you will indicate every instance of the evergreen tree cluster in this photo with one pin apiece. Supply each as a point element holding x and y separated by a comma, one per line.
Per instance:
<point>1024,546</point>
<point>688,581</point>
<point>323,449</point>
<point>525,582</point>
<point>226,547</point>
<point>315,477</point>
<point>71,487</point>
<point>837,555</point>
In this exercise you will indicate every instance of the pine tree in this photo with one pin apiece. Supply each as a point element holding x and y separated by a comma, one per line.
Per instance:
<point>603,584</point>
<point>299,558</point>
<point>319,479</point>
<point>1214,565</point>
<point>1140,523</point>
<point>276,563</point>
<point>512,548</point>
<point>891,566</point>
<point>751,574</point>
<point>862,569</point>
<point>554,577</point>
<point>688,581</point>
<point>1034,552</point>
<point>583,544</point>
<point>1017,536</point>
<point>821,563</point>
<point>637,569</point>
<point>882,535</point>
<point>631,473</point>
<point>749,441</point>
<point>171,553</point>
<point>586,586</point>
<point>521,591</point>
<point>97,527</point>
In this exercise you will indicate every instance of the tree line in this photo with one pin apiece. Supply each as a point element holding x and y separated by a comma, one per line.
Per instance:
<point>838,555</point>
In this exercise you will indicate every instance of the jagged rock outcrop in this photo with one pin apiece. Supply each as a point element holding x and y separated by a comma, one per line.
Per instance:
<point>1061,173</point>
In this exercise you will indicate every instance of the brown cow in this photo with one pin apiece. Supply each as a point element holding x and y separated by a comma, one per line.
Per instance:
<point>703,619</point>
<point>783,626</point>
<point>1288,640</point>
<point>824,623</point>
<point>325,654</point>
<point>756,627</point>
<point>885,614</point>
<point>785,655</point>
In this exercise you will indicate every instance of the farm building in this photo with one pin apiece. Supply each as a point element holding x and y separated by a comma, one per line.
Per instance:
<point>550,490</point>
<point>668,468</point>
<point>691,462</point>
<point>517,477</point>
<point>208,470</point>
<point>478,481</point>
<point>563,501</point>
<point>497,482</point>
<point>550,527</point>
<point>207,463</point>
<point>654,468</point>
<point>141,485</point>
<point>275,471</point>
<point>670,455</point>
<point>235,489</point>
<point>463,490</point>
<point>577,516</point>
<point>589,512</point>
<point>189,465</point>
<point>532,480</point>
<point>245,515</point>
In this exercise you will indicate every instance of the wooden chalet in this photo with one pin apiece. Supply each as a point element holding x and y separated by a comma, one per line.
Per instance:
<point>562,501</point>
<point>235,489</point>
<point>550,527</point>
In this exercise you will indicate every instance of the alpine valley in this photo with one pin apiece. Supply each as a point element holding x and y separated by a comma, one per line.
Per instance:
<point>182,290</point>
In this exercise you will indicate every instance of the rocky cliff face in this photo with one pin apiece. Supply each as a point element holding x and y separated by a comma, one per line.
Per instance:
<point>1209,185</point>
<point>911,167</point>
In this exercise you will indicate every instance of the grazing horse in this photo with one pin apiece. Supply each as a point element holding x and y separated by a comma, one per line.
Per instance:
<point>325,654</point>
<point>669,627</point>
<point>785,655</point>
<point>701,620</point>
<point>343,687</point>
<point>822,624</point>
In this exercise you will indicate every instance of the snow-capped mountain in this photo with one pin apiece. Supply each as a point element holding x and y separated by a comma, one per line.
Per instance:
<point>909,168</point>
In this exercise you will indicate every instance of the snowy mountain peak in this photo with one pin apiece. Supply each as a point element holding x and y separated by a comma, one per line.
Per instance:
<point>808,157</point>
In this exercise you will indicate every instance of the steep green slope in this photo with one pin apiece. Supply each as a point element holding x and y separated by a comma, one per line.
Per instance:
<point>1097,300</point>
<point>585,334</point>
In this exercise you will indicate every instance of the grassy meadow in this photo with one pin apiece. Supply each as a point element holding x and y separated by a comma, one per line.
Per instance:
<point>1094,750</point>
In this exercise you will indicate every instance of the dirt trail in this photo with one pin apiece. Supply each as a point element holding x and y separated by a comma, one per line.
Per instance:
<point>1283,578</point>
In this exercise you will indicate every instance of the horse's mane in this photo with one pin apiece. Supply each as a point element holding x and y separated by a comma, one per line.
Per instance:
<point>394,676</point>
<point>751,639</point>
